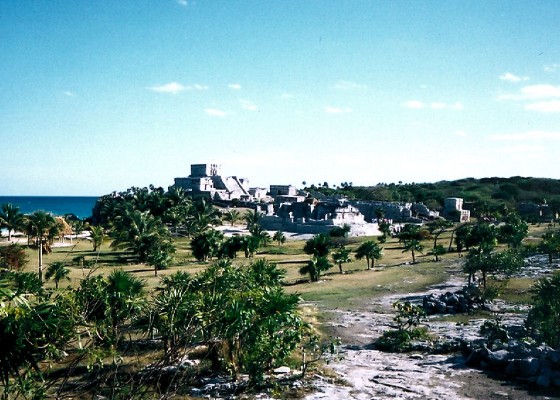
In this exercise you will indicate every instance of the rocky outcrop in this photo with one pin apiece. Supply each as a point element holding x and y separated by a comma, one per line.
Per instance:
<point>537,365</point>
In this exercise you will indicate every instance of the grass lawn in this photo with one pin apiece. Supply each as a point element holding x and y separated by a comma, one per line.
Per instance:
<point>393,272</point>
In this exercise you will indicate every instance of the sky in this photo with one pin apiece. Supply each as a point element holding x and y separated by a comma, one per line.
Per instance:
<point>98,96</point>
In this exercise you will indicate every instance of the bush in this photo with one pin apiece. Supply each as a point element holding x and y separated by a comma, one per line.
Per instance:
<point>544,318</point>
<point>408,318</point>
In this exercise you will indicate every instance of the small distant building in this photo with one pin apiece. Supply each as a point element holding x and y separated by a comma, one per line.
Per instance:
<point>535,212</point>
<point>282,190</point>
<point>453,210</point>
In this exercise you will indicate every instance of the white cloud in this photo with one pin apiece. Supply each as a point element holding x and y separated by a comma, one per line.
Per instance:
<point>436,105</point>
<point>248,105</point>
<point>197,86</point>
<point>172,88</point>
<point>348,85</point>
<point>338,110</point>
<point>183,3</point>
<point>541,91</point>
<point>415,104</point>
<point>461,134</point>
<point>234,86</point>
<point>544,106</point>
<point>552,67</point>
<point>68,93</point>
<point>509,77</point>
<point>530,135</point>
<point>215,112</point>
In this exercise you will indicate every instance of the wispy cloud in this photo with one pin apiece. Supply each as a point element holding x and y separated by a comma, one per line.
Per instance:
<point>69,93</point>
<point>436,105</point>
<point>541,91</point>
<point>172,88</point>
<point>213,112</point>
<point>183,3</point>
<point>527,136</point>
<point>248,105</point>
<point>509,77</point>
<point>552,68</point>
<point>197,86</point>
<point>544,106</point>
<point>338,110</point>
<point>349,85</point>
<point>461,134</point>
<point>234,86</point>
<point>414,104</point>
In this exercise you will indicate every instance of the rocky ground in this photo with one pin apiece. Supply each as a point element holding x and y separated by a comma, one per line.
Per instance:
<point>370,374</point>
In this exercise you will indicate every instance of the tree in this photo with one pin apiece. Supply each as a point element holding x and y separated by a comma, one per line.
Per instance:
<point>318,246</point>
<point>160,256</point>
<point>203,216</point>
<point>57,271</point>
<point>385,228</point>
<point>488,262</point>
<point>252,219</point>
<point>250,244</point>
<point>279,237</point>
<point>438,227</point>
<point>550,244</point>
<point>371,251</point>
<point>109,302</point>
<point>206,244</point>
<point>341,256</point>
<point>78,225</point>
<point>544,316</point>
<point>13,257</point>
<point>513,231</point>
<point>315,267</point>
<point>41,224</point>
<point>32,331</point>
<point>231,216</point>
<point>438,251</point>
<point>11,218</point>
<point>140,233</point>
<point>413,245</point>
<point>97,234</point>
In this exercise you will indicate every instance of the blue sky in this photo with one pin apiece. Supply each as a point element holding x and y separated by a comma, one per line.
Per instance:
<point>97,96</point>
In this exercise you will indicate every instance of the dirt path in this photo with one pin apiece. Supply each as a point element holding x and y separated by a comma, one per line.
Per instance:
<point>371,374</point>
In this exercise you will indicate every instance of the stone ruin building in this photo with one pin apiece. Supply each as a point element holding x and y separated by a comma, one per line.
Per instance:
<point>287,209</point>
<point>206,180</point>
<point>314,217</point>
<point>453,210</point>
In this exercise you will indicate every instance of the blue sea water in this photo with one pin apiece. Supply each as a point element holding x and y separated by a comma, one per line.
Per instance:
<point>56,205</point>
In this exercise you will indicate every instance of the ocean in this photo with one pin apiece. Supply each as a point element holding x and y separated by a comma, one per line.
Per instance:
<point>57,205</point>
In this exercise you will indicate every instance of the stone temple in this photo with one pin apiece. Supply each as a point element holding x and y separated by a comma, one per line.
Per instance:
<point>206,180</point>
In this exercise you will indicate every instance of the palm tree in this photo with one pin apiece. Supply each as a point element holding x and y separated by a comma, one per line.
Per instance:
<point>41,225</point>
<point>371,251</point>
<point>314,267</point>
<point>138,232</point>
<point>97,236</point>
<point>341,256</point>
<point>125,295</point>
<point>318,246</point>
<point>57,271</point>
<point>231,216</point>
<point>279,237</point>
<point>11,218</point>
<point>252,219</point>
